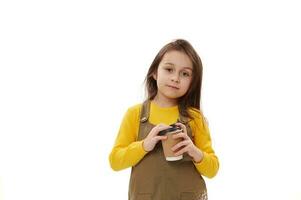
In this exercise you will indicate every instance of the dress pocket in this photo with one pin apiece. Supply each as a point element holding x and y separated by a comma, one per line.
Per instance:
<point>194,196</point>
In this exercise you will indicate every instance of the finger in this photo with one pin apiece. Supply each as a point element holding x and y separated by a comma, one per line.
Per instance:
<point>179,145</point>
<point>183,127</point>
<point>182,151</point>
<point>157,138</point>
<point>180,135</point>
<point>159,128</point>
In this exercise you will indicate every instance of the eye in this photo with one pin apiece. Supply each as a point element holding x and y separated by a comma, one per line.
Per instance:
<point>185,74</point>
<point>168,69</point>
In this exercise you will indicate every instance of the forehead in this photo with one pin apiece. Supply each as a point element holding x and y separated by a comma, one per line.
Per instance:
<point>177,58</point>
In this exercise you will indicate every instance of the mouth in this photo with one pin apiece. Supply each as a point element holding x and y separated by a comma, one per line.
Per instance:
<point>173,87</point>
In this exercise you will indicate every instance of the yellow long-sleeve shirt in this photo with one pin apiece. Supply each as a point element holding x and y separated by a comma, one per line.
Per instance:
<point>127,151</point>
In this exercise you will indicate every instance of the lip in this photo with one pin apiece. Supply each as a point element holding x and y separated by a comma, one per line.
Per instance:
<point>173,87</point>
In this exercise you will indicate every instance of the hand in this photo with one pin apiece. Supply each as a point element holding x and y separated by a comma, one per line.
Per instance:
<point>186,145</point>
<point>153,138</point>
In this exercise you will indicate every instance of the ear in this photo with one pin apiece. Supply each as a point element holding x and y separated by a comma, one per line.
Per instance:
<point>155,76</point>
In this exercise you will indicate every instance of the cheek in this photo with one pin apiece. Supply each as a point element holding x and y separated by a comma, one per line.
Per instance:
<point>161,76</point>
<point>159,79</point>
<point>187,83</point>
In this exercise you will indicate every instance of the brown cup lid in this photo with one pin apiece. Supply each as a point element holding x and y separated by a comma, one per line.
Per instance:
<point>165,131</point>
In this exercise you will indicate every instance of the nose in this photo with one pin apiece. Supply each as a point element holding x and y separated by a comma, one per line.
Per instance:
<point>175,78</point>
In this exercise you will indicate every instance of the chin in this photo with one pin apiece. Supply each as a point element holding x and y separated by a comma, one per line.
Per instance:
<point>173,96</point>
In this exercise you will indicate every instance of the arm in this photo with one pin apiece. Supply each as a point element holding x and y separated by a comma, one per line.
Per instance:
<point>127,151</point>
<point>200,150</point>
<point>208,165</point>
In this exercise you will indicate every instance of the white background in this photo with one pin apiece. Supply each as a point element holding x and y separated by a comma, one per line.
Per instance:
<point>70,69</point>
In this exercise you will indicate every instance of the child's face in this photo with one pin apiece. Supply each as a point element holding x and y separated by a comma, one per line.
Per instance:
<point>174,74</point>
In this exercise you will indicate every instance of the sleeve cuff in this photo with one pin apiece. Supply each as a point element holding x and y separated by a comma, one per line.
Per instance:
<point>142,152</point>
<point>204,162</point>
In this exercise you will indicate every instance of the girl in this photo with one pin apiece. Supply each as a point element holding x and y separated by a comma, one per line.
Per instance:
<point>173,85</point>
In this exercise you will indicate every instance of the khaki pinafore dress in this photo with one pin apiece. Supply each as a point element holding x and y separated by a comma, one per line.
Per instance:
<point>154,178</point>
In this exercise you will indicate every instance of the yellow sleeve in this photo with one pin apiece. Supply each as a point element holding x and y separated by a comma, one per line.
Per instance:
<point>127,151</point>
<point>209,165</point>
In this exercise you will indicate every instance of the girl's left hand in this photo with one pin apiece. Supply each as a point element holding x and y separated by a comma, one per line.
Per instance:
<point>186,146</point>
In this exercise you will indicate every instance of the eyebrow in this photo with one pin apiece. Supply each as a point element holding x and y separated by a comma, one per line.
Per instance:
<point>168,63</point>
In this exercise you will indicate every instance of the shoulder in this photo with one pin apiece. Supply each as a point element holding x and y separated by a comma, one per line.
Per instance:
<point>132,115</point>
<point>195,113</point>
<point>197,116</point>
<point>134,110</point>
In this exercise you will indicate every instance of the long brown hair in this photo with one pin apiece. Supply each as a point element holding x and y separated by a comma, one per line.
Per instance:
<point>192,97</point>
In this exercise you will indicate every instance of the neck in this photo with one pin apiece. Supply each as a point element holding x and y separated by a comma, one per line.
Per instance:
<point>165,102</point>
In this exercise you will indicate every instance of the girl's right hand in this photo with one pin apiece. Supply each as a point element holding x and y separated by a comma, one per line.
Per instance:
<point>153,138</point>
